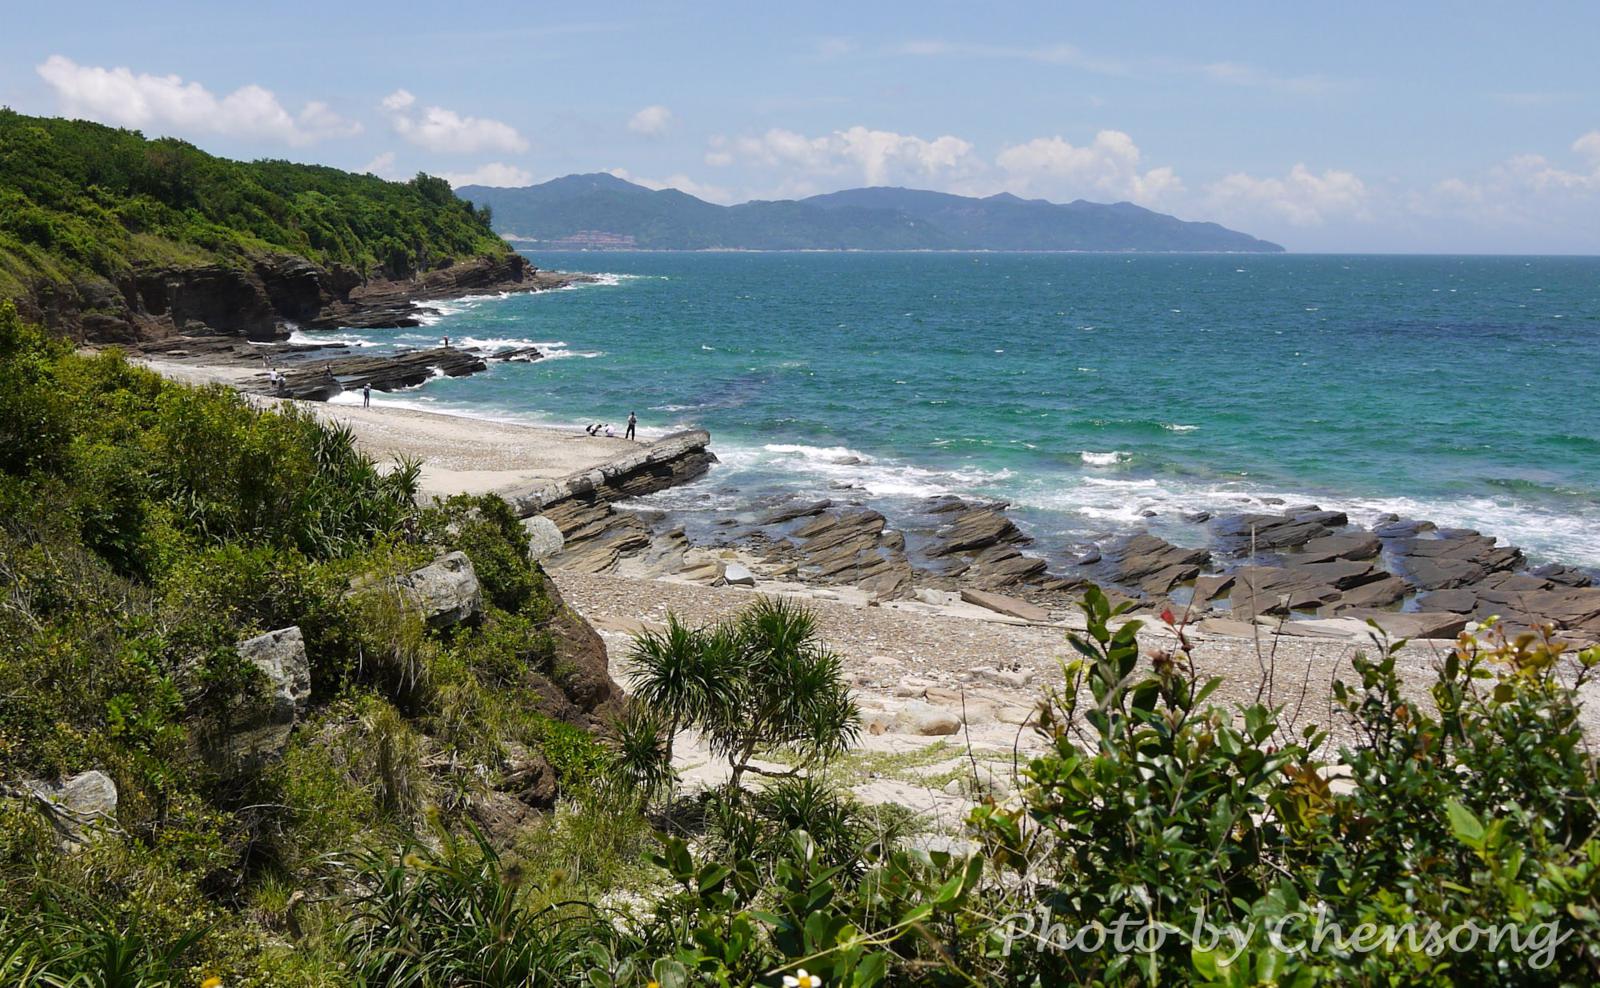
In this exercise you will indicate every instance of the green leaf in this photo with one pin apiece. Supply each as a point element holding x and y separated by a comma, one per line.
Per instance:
<point>1467,828</point>
<point>870,971</point>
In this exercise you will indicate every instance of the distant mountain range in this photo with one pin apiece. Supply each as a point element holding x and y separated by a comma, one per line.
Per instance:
<point>602,211</point>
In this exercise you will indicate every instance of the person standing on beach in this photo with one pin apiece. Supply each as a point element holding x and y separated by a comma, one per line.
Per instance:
<point>366,395</point>
<point>633,420</point>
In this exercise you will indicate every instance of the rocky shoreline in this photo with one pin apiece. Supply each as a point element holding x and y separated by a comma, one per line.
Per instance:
<point>1254,564</point>
<point>1292,569</point>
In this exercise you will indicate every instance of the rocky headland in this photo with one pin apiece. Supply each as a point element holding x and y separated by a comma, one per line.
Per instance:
<point>263,299</point>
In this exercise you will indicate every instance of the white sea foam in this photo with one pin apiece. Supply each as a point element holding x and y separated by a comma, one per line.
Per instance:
<point>1116,503</point>
<point>817,468</point>
<point>610,279</point>
<point>1110,459</point>
<point>1178,427</point>
<point>324,337</point>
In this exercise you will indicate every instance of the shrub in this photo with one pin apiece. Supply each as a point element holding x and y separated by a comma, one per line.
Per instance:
<point>456,916</point>
<point>763,683</point>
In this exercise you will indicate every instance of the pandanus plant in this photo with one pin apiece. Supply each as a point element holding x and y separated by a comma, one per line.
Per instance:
<point>763,682</point>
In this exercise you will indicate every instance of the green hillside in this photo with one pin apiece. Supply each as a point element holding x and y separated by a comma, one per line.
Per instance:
<point>80,199</point>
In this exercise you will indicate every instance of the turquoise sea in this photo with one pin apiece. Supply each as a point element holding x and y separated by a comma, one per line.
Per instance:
<point>1086,389</point>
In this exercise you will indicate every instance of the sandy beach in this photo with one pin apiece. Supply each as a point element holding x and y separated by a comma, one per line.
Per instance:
<point>459,455</point>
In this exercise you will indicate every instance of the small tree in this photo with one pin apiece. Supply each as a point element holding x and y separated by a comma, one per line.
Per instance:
<point>760,683</point>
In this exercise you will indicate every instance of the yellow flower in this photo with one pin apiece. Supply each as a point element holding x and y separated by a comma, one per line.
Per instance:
<point>211,982</point>
<point>800,979</point>
<point>653,984</point>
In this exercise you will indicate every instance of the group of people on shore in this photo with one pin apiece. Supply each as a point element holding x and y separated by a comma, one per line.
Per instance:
<point>605,429</point>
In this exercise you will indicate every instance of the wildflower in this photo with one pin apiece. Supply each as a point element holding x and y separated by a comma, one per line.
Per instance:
<point>216,982</point>
<point>800,979</point>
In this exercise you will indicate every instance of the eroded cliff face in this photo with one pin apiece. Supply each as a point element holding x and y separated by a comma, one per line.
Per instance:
<point>261,300</point>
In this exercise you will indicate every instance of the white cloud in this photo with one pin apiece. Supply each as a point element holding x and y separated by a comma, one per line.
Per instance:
<point>398,100</point>
<point>681,182</point>
<point>1589,146</point>
<point>439,129</point>
<point>1108,166</point>
<point>382,166</point>
<point>121,97</point>
<point>1302,198</point>
<point>652,121</point>
<point>497,174</point>
<point>879,156</point>
<point>1528,195</point>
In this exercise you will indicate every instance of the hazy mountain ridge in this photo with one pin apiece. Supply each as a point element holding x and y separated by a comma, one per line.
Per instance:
<point>603,210</point>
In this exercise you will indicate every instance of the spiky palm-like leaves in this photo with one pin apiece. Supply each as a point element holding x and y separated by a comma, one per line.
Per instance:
<point>457,916</point>
<point>641,756</point>
<point>762,682</point>
<point>680,674</point>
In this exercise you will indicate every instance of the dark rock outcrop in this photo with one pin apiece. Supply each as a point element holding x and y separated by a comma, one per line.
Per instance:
<point>319,380</point>
<point>595,536</point>
<point>1150,563</point>
<point>667,462</point>
<point>261,297</point>
<point>1443,563</point>
<point>1239,535</point>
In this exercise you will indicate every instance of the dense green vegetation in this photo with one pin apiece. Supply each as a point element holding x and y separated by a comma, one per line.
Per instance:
<point>855,219</point>
<point>80,199</point>
<point>147,527</point>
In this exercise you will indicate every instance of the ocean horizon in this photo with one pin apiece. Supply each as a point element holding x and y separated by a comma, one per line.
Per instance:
<point>1096,393</point>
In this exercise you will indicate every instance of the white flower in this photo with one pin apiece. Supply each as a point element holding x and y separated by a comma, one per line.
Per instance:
<point>800,979</point>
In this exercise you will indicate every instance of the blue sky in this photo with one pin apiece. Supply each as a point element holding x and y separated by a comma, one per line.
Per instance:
<point>1356,126</point>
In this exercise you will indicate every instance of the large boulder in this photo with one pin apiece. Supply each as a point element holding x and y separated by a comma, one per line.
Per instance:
<point>544,538</point>
<point>1379,593</point>
<point>446,590</point>
<point>75,805</point>
<point>280,656</point>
